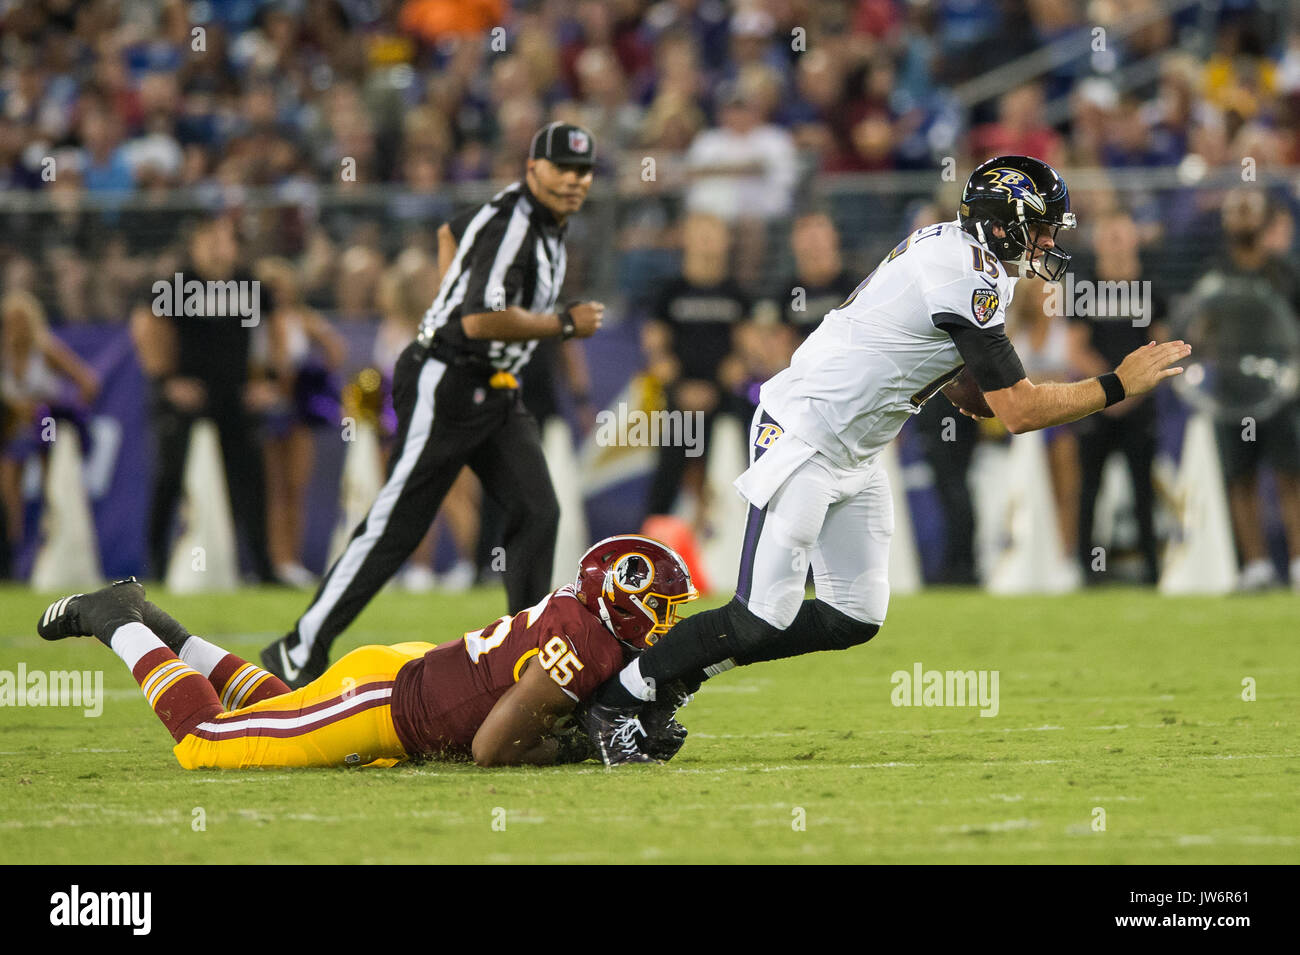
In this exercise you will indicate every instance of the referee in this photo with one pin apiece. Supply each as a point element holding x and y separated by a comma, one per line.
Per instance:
<point>456,392</point>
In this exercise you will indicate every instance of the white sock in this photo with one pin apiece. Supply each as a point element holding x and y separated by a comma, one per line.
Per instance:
<point>131,641</point>
<point>635,683</point>
<point>201,655</point>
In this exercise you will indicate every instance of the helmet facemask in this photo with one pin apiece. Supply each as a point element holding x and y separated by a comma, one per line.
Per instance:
<point>659,610</point>
<point>663,609</point>
<point>1017,248</point>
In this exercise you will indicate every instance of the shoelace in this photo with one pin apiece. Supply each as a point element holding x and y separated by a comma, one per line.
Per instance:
<point>624,738</point>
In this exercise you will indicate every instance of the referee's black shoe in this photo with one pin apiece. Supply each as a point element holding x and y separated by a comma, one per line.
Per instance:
<point>275,660</point>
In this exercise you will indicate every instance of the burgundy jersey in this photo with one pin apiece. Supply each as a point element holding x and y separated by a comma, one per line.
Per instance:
<point>441,699</point>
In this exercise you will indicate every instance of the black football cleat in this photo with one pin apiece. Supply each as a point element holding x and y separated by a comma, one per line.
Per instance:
<point>667,742</point>
<point>617,733</point>
<point>275,660</point>
<point>659,713</point>
<point>93,615</point>
<point>61,619</point>
<point>664,736</point>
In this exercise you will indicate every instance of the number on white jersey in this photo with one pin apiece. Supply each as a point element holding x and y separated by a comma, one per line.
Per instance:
<point>928,232</point>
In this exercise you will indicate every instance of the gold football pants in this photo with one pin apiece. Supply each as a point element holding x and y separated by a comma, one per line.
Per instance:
<point>343,718</point>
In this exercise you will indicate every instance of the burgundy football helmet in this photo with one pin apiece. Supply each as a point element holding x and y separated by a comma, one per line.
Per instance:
<point>634,584</point>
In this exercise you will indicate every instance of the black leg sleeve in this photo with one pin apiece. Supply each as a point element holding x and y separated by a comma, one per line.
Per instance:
<point>818,626</point>
<point>700,641</point>
<point>732,633</point>
<point>686,652</point>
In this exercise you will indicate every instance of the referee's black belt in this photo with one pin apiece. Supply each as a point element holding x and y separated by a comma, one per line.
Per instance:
<point>495,377</point>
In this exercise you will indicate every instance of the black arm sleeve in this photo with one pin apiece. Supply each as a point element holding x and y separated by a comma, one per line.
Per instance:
<point>987,352</point>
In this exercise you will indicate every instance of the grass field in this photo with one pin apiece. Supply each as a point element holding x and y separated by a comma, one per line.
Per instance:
<point>1119,701</point>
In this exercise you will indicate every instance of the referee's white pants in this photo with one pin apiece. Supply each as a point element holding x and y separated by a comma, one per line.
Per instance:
<point>837,520</point>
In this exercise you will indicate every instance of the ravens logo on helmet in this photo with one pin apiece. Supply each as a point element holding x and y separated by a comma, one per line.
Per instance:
<point>1016,194</point>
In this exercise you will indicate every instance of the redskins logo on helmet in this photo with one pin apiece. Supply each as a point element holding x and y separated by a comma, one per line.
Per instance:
<point>633,573</point>
<point>635,585</point>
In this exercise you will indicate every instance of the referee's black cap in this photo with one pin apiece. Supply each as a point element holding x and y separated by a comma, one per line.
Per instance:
<point>563,144</point>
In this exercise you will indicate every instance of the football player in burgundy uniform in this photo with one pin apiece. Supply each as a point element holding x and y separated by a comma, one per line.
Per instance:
<point>495,695</point>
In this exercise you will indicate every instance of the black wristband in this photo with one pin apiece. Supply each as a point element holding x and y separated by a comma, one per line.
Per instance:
<point>568,328</point>
<point>1113,387</point>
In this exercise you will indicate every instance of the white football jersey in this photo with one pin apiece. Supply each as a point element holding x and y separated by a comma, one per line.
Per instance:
<point>878,357</point>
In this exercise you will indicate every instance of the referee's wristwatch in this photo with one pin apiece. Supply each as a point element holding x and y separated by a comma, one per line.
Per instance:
<point>568,328</point>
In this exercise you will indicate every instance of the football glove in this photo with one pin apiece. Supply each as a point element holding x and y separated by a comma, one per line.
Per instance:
<point>575,745</point>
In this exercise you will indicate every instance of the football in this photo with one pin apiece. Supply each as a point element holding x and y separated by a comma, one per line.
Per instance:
<point>966,395</point>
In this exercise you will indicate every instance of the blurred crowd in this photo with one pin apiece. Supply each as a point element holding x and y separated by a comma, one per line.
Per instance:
<point>129,114</point>
<point>318,144</point>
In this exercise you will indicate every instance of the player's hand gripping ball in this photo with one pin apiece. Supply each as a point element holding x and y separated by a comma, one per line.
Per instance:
<point>966,395</point>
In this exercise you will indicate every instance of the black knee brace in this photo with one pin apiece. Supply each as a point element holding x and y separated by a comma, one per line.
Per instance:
<point>818,626</point>
<point>747,634</point>
<point>841,630</point>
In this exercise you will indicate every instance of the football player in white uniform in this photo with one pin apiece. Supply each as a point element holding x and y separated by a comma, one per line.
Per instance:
<point>818,496</point>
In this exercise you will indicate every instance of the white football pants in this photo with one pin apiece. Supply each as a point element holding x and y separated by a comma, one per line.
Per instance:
<point>839,521</point>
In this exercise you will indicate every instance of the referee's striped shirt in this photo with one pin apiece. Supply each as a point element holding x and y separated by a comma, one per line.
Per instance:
<point>510,251</point>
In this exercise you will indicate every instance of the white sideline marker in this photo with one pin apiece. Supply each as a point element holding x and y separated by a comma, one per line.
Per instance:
<point>205,512</point>
<point>1201,558</point>
<point>1033,562</point>
<point>69,557</point>
<point>728,454</point>
<point>363,476</point>
<point>571,540</point>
